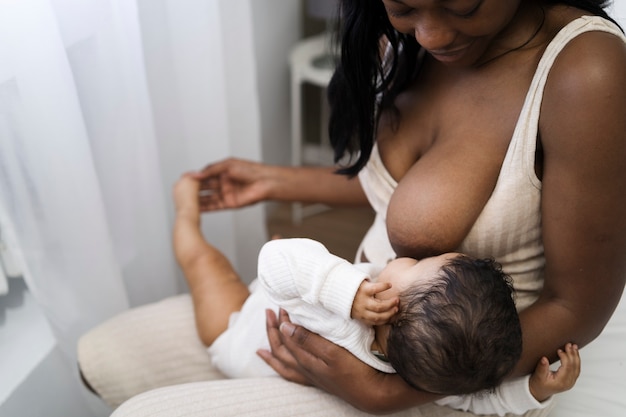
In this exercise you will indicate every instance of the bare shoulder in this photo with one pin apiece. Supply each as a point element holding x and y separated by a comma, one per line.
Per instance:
<point>586,86</point>
<point>592,61</point>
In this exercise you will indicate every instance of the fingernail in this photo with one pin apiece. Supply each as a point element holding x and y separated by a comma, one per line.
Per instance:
<point>287,329</point>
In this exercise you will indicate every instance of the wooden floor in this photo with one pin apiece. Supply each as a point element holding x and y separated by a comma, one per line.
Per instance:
<point>340,229</point>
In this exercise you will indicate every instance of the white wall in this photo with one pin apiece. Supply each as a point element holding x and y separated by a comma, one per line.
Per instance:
<point>619,11</point>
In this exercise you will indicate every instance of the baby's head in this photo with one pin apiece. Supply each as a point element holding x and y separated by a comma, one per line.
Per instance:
<point>457,330</point>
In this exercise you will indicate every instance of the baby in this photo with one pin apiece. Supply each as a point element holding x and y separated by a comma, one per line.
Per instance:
<point>446,324</point>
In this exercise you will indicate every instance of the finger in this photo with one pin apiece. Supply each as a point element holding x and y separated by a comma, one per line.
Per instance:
<point>199,175</point>
<point>274,337</point>
<point>288,343</point>
<point>283,316</point>
<point>270,318</point>
<point>210,202</point>
<point>570,359</point>
<point>278,357</point>
<point>210,170</point>
<point>309,349</point>
<point>209,186</point>
<point>576,360</point>
<point>379,306</point>
<point>288,373</point>
<point>373,288</point>
<point>282,351</point>
<point>566,355</point>
<point>543,368</point>
<point>376,318</point>
<point>297,337</point>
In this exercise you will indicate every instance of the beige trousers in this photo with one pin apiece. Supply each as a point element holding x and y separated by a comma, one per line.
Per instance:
<point>151,360</point>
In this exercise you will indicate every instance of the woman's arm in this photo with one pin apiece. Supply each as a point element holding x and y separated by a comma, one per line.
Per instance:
<point>234,183</point>
<point>583,134</point>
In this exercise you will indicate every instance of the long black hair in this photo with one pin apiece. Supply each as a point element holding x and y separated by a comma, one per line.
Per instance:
<point>363,84</point>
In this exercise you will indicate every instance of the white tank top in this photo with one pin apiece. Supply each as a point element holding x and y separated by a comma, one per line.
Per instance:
<point>509,227</point>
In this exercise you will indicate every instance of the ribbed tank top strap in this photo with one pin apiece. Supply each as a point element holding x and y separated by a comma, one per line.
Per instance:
<point>526,131</point>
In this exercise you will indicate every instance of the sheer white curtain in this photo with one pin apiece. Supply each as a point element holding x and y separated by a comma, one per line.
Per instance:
<point>92,138</point>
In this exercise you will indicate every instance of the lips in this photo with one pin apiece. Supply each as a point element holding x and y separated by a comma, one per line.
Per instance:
<point>449,55</point>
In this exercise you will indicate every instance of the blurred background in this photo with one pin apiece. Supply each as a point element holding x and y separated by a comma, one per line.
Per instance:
<point>103,104</point>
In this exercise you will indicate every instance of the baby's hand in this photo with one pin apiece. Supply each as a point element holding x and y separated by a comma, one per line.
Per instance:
<point>371,310</point>
<point>544,383</point>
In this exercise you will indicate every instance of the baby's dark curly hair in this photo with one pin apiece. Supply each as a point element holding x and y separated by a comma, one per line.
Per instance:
<point>459,333</point>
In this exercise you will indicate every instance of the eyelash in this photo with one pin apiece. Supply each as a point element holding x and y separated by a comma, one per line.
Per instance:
<point>469,14</point>
<point>465,15</point>
<point>396,14</point>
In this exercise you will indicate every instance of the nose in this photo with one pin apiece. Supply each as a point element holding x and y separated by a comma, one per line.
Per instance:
<point>433,32</point>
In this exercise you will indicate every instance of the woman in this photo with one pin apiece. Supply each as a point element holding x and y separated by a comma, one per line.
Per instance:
<point>490,127</point>
<point>455,110</point>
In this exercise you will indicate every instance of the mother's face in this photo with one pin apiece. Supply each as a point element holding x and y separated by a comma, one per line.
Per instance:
<point>455,32</point>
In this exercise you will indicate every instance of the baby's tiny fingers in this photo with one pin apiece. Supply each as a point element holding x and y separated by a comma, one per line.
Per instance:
<point>373,288</point>
<point>380,306</point>
<point>378,318</point>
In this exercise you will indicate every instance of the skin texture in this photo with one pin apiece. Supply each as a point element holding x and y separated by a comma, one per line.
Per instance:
<point>458,115</point>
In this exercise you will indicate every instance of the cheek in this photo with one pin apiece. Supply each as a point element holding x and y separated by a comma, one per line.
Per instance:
<point>497,17</point>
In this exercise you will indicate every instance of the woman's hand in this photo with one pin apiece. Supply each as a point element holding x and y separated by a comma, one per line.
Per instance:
<point>232,183</point>
<point>307,358</point>
<point>236,183</point>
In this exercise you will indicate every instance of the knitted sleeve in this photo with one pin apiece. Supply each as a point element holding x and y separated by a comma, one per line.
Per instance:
<point>303,270</point>
<point>510,397</point>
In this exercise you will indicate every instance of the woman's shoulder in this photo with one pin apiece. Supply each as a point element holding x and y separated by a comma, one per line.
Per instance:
<point>591,58</point>
<point>585,43</point>
<point>584,87</point>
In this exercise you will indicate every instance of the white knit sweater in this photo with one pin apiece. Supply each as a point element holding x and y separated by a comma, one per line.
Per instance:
<point>317,289</point>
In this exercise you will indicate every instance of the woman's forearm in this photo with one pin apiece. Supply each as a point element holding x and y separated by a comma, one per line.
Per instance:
<point>393,394</point>
<point>569,322</point>
<point>315,185</point>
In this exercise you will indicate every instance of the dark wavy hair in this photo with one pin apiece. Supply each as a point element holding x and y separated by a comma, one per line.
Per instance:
<point>459,333</point>
<point>361,86</point>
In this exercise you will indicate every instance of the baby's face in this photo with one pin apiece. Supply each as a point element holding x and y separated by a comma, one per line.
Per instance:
<point>403,273</point>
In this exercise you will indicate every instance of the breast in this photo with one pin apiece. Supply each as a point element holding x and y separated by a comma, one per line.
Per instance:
<point>445,150</point>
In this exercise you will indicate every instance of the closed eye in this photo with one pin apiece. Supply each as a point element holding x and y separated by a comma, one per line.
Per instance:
<point>467,13</point>
<point>399,13</point>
